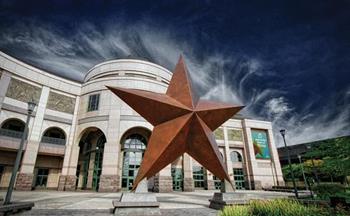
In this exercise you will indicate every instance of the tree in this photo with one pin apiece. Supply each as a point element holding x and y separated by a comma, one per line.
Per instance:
<point>297,171</point>
<point>335,157</point>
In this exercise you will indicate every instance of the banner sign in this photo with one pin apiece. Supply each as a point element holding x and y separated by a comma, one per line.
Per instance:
<point>261,144</point>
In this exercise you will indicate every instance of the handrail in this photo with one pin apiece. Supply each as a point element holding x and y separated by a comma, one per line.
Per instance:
<point>53,140</point>
<point>11,133</point>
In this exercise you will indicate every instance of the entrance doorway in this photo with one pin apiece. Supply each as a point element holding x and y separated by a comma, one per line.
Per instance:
<point>90,159</point>
<point>133,149</point>
<point>98,162</point>
<point>177,176</point>
<point>133,146</point>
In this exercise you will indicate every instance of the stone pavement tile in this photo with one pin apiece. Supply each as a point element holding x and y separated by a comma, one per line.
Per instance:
<point>190,212</point>
<point>92,203</point>
<point>64,212</point>
<point>95,203</point>
<point>106,212</point>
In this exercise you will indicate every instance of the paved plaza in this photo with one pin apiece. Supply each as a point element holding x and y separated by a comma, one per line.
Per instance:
<point>92,203</point>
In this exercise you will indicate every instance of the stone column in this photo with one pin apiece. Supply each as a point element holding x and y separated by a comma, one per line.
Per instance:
<point>276,166</point>
<point>4,84</point>
<point>188,173</point>
<point>246,164</point>
<point>227,157</point>
<point>251,161</point>
<point>25,176</point>
<point>68,177</point>
<point>209,182</point>
<point>163,181</point>
<point>110,179</point>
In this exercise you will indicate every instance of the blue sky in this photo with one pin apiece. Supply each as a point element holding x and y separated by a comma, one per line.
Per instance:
<point>287,61</point>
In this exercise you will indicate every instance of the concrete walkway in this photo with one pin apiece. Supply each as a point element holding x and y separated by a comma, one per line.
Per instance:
<point>92,203</point>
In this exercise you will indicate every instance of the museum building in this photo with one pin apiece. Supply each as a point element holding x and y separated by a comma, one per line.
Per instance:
<point>83,137</point>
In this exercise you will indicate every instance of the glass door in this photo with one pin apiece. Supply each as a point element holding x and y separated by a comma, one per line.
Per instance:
<point>97,169</point>
<point>133,148</point>
<point>177,175</point>
<point>239,178</point>
<point>198,176</point>
<point>98,163</point>
<point>131,165</point>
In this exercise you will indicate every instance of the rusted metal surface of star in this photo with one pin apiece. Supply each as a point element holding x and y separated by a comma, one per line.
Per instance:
<point>182,124</point>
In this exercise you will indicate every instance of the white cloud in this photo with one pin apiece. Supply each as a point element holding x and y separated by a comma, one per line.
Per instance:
<point>310,127</point>
<point>277,107</point>
<point>218,77</point>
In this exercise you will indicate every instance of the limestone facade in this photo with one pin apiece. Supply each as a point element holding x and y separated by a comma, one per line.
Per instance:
<point>83,137</point>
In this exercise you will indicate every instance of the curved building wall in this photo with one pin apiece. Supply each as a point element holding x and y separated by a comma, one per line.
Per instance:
<point>57,101</point>
<point>113,117</point>
<point>71,107</point>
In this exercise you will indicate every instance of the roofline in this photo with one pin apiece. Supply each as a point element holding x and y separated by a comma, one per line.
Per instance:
<point>127,60</point>
<point>315,141</point>
<point>36,68</point>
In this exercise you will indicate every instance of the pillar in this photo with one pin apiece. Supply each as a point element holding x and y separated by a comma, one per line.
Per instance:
<point>163,181</point>
<point>110,179</point>
<point>246,163</point>
<point>227,157</point>
<point>25,176</point>
<point>188,173</point>
<point>209,181</point>
<point>4,84</point>
<point>68,177</point>
<point>251,161</point>
<point>275,162</point>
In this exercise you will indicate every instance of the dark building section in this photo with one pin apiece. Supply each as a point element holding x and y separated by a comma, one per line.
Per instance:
<point>300,149</point>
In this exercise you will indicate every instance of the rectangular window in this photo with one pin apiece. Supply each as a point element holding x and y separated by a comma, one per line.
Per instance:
<point>94,101</point>
<point>239,178</point>
<point>217,183</point>
<point>198,176</point>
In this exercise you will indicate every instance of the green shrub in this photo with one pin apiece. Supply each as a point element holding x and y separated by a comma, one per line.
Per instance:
<point>277,207</point>
<point>281,207</point>
<point>324,191</point>
<point>237,210</point>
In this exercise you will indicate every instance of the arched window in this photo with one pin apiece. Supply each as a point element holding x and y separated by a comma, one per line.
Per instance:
<point>133,147</point>
<point>235,156</point>
<point>54,135</point>
<point>222,156</point>
<point>135,142</point>
<point>12,128</point>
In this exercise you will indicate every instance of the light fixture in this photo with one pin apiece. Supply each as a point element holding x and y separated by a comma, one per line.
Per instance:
<point>31,106</point>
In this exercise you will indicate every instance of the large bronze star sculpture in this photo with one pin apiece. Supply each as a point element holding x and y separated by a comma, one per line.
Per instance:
<point>182,123</point>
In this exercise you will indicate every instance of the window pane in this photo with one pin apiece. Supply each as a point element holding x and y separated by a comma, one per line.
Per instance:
<point>93,102</point>
<point>235,156</point>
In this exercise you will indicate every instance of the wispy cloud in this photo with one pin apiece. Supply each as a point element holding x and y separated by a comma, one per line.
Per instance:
<point>225,78</point>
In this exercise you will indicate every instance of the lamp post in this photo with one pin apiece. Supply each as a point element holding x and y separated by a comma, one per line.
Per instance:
<point>313,165</point>
<point>31,106</point>
<point>283,133</point>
